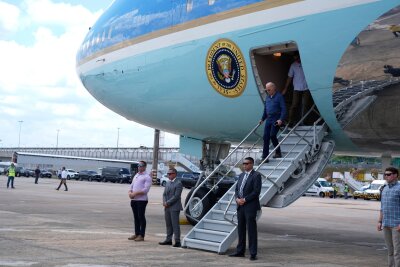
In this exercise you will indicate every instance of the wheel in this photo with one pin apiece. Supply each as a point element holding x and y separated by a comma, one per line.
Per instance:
<point>204,205</point>
<point>18,174</point>
<point>80,178</point>
<point>120,181</point>
<point>104,180</point>
<point>321,194</point>
<point>90,179</point>
<point>355,197</point>
<point>164,183</point>
<point>68,177</point>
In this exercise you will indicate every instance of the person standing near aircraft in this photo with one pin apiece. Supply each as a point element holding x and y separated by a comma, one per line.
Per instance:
<point>37,173</point>
<point>274,114</point>
<point>64,175</point>
<point>300,92</point>
<point>346,191</point>
<point>172,207</point>
<point>389,216</point>
<point>11,175</point>
<point>138,194</point>
<point>247,194</point>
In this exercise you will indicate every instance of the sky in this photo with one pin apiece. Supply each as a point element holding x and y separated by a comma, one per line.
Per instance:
<point>41,96</point>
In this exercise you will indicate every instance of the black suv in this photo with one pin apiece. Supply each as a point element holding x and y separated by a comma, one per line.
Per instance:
<point>88,175</point>
<point>116,175</point>
<point>188,179</point>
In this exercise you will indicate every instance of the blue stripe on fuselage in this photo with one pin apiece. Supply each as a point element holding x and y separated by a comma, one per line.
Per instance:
<point>127,19</point>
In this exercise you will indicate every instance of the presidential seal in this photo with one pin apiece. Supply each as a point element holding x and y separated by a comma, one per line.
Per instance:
<point>226,68</point>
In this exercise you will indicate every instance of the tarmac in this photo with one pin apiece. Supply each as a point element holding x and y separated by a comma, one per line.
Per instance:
<point>88,226</point>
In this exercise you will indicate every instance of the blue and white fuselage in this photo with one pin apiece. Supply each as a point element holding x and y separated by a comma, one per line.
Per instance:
<point>148,60</point>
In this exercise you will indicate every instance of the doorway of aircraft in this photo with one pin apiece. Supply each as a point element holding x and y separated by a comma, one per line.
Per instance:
<point>271,63</point>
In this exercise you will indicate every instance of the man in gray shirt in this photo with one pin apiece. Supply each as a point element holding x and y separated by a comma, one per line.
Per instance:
<point>172,207</point>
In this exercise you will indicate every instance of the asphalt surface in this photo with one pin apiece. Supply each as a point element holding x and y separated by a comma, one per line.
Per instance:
<point>89,225</point>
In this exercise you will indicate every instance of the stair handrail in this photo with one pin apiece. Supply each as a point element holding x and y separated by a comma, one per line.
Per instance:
<point>219,166</point>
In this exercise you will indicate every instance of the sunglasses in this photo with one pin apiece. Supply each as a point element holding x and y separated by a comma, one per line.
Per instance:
<point>170,173</point>
<point>388,173</point>
<point>141,165</point>
<point>246,163</point>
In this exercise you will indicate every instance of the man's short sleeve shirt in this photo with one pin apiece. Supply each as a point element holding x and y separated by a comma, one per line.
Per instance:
<point>390,205</point>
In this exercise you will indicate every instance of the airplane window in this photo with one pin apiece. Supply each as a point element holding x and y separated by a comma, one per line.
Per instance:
<point>109,33</point>
<point>103,37</point>
<point>211,2</point>
<point>189,5</point>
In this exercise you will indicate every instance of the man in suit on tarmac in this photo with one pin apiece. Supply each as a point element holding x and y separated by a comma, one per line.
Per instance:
<point>247,194</point>
<point>172,207</point>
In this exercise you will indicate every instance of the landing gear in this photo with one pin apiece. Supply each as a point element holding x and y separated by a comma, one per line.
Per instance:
<point>199,204</point>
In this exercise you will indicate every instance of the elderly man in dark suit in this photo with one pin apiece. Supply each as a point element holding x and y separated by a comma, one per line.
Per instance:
<point>247,194</point>
<point>172,207</point>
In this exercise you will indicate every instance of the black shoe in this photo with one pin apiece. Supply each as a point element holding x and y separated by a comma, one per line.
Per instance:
<point>177,245</point>
<point>253,257</point>
<point>13,187</point>
<point>66,190</point>
<point>236,255</point>
<point>165,242</point>
<point>57,189</point>
<point>277,155</point>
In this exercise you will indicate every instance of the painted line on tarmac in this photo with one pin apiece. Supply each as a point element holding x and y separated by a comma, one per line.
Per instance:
<point>16,263</point>
<point>88,232</point>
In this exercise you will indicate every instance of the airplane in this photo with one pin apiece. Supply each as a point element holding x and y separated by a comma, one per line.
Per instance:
<point>198,68</point>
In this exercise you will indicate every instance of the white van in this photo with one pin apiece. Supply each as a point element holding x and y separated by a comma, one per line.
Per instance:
<point>321,188</point>
<point>374,192</point>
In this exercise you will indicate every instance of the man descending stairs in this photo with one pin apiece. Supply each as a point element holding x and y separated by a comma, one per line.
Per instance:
<point>304,155</point>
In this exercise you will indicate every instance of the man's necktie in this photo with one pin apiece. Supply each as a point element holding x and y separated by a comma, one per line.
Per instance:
<point>242,185</point>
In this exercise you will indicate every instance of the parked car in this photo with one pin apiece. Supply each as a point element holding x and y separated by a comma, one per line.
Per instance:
<point>374,192</point>
<point>29,173</point>
<point>44,173</point>
<point>116,174</point>
<point>89,175</point>
<point>188,179</point>
<point>361,193</point>
<point>164,179</point>
<point>72,174</point>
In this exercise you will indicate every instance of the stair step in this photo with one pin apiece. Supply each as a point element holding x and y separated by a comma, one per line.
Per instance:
<point>209,235</point>
<point>219,214</point>
<point>217,225</point>
<point>201,244</point>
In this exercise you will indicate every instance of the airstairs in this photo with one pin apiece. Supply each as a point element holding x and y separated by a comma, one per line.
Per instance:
<point>304,155</point>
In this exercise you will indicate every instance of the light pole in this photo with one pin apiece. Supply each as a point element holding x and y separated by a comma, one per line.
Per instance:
<point>117,138</point>
<point>19,135</point>
<point>58,131</point>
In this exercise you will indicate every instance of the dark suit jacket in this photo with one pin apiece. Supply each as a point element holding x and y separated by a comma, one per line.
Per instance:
<point>251,190</point>
<point>172,195</point>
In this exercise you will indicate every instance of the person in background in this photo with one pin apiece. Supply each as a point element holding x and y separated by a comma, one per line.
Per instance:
<point>172,207</point>
<point>335,190</point>
<point>138,194</point>
<point>301,93</point>
<point>11,175</point>
<point>389,215</point>
<point>37,173</point>
<point>64,175</point>
<point>346,191</point>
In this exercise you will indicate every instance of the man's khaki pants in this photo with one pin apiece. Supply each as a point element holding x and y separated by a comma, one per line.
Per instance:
<point>392,239</point>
